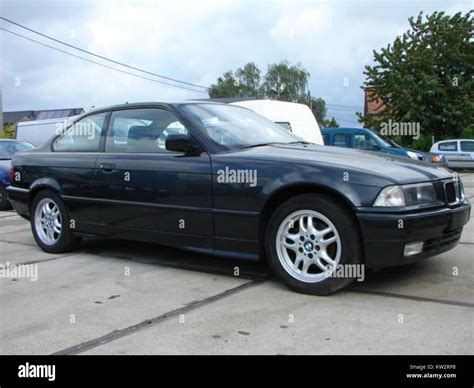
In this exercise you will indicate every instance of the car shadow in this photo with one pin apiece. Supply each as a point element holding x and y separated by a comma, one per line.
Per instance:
<point>155,254</point>
<point>161,255</point>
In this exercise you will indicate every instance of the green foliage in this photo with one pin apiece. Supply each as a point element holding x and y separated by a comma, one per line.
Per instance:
<point>285,82</point>
<point>282,81</point>
<point>330,123</point>
<point>7,132</point>
<point>426,76</point>
<point>244,83</point>
<point>423,143</point>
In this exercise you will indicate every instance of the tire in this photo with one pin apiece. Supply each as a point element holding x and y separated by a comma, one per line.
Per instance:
<point>4,203</point>
<point>300,263</point>
<point>55,236</point>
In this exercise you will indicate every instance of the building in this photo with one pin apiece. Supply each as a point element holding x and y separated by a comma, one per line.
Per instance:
<point>29,115</point>
<point>372,103</point>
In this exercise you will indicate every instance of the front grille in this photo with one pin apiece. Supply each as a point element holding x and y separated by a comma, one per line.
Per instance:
<point>438,243</point>
<point>452,191</point>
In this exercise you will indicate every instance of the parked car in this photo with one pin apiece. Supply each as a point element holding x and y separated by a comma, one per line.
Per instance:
<point>296,118</point>
<point>370,140</point>
<point>232,183</point>
<point>459,153</point>
<point>38,132</point>
<point>7,149</point>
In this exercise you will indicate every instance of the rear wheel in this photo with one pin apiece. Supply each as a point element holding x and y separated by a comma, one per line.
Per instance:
<point>310,240</point>
<point>50,224</point>
<point>4,203</point>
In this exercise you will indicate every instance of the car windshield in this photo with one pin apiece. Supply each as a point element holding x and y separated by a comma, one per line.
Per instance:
<point>9,148</point>
<point>387,142</point>
<point>233,127</point>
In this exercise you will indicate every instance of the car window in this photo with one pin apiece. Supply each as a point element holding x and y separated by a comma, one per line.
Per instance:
<point>342,140</point>
<point>285,125</point>
<point>141,130</point>
<point>82,136</point>
<point>365,142</point>
<point>467,146</point>
<point>9,148</point>
<point>326,138</point>
<point>449,146</point>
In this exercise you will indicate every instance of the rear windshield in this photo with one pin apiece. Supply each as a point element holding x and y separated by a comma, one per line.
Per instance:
<point>9,148</point>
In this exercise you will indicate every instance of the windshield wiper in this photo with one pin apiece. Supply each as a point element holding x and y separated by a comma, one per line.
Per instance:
<point>300,142</point>
<point>261,145</point>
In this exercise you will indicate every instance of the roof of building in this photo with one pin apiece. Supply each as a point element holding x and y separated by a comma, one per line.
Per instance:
<point>27,115</point>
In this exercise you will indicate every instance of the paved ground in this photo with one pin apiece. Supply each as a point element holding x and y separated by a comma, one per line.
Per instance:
<point>133,298</point>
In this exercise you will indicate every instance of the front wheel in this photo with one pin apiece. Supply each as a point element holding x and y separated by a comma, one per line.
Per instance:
<point>312,244</point>
<point>50,224</point>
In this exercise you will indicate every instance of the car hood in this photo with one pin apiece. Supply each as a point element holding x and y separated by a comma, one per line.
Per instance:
<point>393,168</point>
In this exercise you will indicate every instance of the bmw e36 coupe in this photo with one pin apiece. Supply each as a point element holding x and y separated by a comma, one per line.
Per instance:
<point>223,180</point>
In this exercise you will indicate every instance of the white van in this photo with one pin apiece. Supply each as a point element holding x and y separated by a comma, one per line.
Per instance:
<point>297,118</point>
<point>38,132</point>
<point>459,153</point>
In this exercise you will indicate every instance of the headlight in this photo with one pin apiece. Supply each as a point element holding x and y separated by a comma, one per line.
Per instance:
<point>414,155</point>
<point>436,159</point>
<point>391,196</point>
<point>406,195</point>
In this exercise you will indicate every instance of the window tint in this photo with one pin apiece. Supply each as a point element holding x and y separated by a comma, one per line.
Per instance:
<point>467,146</point>
<point>141,130</point>
<point>342,140</point>
<point>83,136</point>
<point>450,146</point>
<point>326,139</point>
<point>365,142</point>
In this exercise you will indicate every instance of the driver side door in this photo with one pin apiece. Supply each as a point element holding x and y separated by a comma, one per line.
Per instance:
<point>146,191</point>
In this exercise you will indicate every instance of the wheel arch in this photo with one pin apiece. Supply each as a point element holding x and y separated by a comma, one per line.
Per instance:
<point>43,184</point>
<point>285,193</point>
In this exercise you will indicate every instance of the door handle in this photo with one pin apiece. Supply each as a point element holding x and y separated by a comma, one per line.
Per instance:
<point>107,167</point>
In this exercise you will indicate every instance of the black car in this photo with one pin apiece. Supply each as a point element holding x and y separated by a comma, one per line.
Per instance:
<point>223,180</point>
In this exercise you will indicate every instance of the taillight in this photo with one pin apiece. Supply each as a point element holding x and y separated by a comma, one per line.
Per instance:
<point>12,174</point>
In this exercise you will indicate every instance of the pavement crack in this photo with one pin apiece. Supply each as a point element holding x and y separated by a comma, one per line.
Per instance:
<point>413,297</point>
<point>117,334</point>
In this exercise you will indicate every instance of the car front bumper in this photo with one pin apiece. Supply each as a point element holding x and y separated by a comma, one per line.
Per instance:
<point>385,235</point>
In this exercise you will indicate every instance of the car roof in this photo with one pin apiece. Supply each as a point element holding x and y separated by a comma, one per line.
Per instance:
<point>152,103</point>
<point>450,140</point>
<point>13,141</point>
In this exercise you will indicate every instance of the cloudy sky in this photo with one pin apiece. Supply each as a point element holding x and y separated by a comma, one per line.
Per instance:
<point>195,41</point>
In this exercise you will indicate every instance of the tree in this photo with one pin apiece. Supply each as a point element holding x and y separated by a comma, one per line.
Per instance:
<point>282,81</point>
<point>244,83</point>
<point>8,132</point>
<point>426,76</point>
<point>331,123</point>
<point>317,106</point>
<point>285,82</point>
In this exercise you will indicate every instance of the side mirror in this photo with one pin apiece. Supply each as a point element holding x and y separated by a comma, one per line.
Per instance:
<point>180,143</point>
